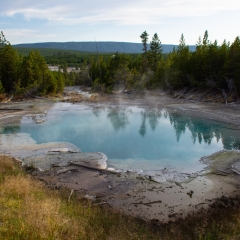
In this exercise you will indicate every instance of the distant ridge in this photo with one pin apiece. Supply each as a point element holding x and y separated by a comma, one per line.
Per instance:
<point>104,47</point>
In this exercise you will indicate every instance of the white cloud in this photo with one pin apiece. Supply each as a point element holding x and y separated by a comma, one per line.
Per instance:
<point>118,20</point>
<point>123,13</point>
<point>23,33</point>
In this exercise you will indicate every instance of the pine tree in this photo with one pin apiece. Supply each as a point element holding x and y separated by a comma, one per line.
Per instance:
<point>155,52</point>
<point>3,40</point>
<point>182,62</point>
<point>205,39</point>
<point>9,60</point>
<point>144,38</point>
<point>9,67</point>
<point>233,63</point>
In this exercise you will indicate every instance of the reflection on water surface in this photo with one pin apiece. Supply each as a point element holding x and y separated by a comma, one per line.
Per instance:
<point>132,137</point>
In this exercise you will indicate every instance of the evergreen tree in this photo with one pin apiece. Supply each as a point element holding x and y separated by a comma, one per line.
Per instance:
<point>155,52</point>
<point>196,61</point>
<point>181,64</point>
<point>205,39</point>
<point>3,41</point>
<point>34,72</point>
<point>9,67</point>
<point>144,38</point>
<point>233,63</point>
<point>182,44</point>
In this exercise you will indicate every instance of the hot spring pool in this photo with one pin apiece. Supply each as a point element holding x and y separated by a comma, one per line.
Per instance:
<point>150,139</point>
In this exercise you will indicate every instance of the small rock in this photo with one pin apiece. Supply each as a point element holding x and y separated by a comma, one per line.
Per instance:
<point>190,193</point>
<point>38,121</point>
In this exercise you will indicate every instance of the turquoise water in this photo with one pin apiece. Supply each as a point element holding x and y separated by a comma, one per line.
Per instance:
<point>132,137</point>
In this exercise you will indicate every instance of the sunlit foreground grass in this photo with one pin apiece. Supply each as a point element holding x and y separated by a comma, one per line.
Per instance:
<point>28,210</point>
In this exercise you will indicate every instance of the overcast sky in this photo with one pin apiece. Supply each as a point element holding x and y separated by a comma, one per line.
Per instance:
<point>28,21</point>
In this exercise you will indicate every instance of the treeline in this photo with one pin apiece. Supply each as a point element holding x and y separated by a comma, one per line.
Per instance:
<point>210,66</point>
<point>29,74</point>
<point>72,58</point>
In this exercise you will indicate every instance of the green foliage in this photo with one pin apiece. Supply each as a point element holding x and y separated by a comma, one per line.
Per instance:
<point>28,74</point>
<point>3,40</point>
<point>18,90</point>
<point>98,87</point>
<point>210,66</point>
<point>73,58</point>
<point>144,39</point>
<point>155,52</point>
<point>9,67</point>
<point>181,64</point>
<point>233,63</point>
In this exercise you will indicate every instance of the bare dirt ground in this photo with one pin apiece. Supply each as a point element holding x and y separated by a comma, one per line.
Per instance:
<point>130,193</point>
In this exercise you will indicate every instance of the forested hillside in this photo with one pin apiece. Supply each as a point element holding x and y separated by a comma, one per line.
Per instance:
<point>58,57</point>
<point>102,47</point>
<point>210,66</point>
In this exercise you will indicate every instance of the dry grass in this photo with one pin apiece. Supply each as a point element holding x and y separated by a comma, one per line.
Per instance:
<point>73,98</point>
<point>76,98</point>
<point>98,98</point>
<point>8,166</point>
<point>28,210</point>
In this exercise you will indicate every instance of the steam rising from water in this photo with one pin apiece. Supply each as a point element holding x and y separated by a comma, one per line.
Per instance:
<point>150,139</point>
